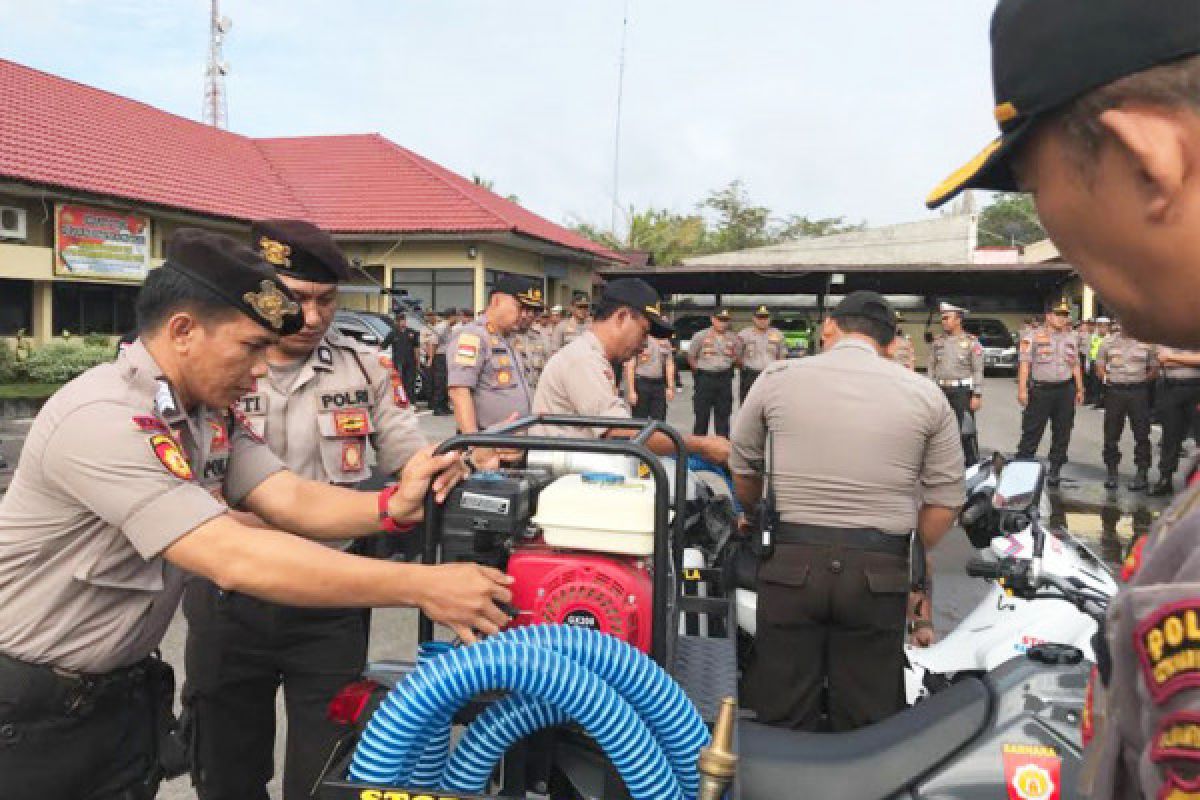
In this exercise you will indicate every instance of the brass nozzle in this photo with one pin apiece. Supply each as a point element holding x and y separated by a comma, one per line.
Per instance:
<point>718,761</point>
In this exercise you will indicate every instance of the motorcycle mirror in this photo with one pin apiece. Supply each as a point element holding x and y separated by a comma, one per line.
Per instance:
<point>1019,486</point>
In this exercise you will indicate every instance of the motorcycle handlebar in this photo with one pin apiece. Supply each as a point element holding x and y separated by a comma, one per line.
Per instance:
<point>1025,585</point>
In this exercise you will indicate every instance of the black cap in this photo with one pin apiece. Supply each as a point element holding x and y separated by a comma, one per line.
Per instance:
<point>236,274</point>
<point>1046,53</point>
<point>640,296</point>
<point>871,305</point>
<point>581,300</point>
<point>528,291</point>
<point>300,250</point>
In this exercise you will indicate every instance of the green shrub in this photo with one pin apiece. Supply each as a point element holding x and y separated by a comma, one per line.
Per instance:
<point>9,368</point>
<point>61,361</point>
<point>97,340</point>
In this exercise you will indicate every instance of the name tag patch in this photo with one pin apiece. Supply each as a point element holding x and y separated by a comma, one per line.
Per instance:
<point>1168,646</point>
<point>220,437</point>
<point>216,468</point>
<point>252,404</point>
<point>344,398</point>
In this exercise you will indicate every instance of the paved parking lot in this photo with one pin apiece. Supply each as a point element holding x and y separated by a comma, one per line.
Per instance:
<point>1105,519</point>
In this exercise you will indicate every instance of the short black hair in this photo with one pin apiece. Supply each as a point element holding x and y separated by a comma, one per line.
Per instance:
<point>606,308</point>
<point>167,291</point>
<point>853,323</point>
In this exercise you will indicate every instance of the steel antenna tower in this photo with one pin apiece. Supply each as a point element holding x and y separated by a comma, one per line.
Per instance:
<point>216,111</point>
<point>616,195</point>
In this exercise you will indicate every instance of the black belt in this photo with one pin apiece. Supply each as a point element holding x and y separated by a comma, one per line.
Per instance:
<point>81,689</point>
<point>716,373</point>
<point>1181,381</point>
<point>1052,384</point>
<point>856,538</point>
<point>656,381</point>
<point>1128,386</point>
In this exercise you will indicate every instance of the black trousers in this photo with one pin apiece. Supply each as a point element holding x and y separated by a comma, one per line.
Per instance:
<point>1132,401</point>
<point>746,379</point>
<point>1053,403</point>
<point>239,651</point>
<point>960,400</point>
<point>440,397</point>
<point>50,747</point>
<point>713,397</point>
<point>829,615</point>
<point>1179,420</point>
<point>651,398</point>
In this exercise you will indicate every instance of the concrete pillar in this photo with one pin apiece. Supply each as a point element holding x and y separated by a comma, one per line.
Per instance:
<point>1089,302</point>
<point>480,287</point>
<point>43,312</point>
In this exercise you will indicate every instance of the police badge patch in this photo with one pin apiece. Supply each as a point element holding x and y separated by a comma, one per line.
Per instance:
<point>1168,647</point>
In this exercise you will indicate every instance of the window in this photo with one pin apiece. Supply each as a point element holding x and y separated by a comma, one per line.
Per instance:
<point>82,308</point>
<point>16,306</point>
<point>437,288</point>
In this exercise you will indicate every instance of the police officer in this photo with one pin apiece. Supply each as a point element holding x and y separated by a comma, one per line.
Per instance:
<point>1093,386</point>
<point>761,345</point>
<point>1180,394</point>
<point>901,349</point>
<point>440,401</point>
<point>1049,386</point>
<point>487,379</point>
<point>956,365</point>
<point>1127,369</point>
<point>579,379</point>
<point>406,353</point>
<point>711,355</point>
<point>571,328</point>
<point>650,378</point>
<point>529,341</point>
<point>125,485</point>
<point>1105,131</point>
<point>833,595</point>
<point>324,400</point>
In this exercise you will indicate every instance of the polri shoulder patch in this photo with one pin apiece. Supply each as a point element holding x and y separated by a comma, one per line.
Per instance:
<point>1168,646</point>
<point>1177,737</point>
<point>168,452</point>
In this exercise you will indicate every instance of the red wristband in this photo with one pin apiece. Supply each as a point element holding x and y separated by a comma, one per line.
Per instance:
<point>387,522</point>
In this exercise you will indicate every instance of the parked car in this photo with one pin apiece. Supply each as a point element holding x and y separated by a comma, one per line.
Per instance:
<point>999,345</point>
<point>376,330</point>
<point>797,332</point>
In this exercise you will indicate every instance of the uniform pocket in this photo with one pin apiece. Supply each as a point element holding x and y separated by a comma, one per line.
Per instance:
<point>782,601</point>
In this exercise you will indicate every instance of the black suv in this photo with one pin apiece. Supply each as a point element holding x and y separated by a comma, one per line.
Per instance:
<point>999,345</point>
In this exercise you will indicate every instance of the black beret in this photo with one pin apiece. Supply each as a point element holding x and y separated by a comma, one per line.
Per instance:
<point>871,305</point>
<point>528,291</point>
<point>640,296</point>
<point>236,274</point>
<point>300,250</point>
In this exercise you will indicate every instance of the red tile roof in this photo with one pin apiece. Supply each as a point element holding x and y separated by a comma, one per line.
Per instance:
<point>60,133</point>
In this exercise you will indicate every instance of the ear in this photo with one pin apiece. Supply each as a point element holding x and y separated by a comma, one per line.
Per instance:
<point>180,328</point>
<point>1155,141</point>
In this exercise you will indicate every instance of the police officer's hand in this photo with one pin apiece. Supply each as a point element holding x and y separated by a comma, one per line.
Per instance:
<point>464,596</point>
<point>1023,397</point>
<point>423,471</point>
<point>1079,397</point>
<point>714,449</point>
<point>632,398</point>
<point>976,402</point>
<point>670,393</point>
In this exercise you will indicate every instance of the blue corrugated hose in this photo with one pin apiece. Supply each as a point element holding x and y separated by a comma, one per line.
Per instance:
<point>634,711</point>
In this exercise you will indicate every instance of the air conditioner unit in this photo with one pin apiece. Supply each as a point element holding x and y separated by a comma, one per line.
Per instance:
<point>12,223</point>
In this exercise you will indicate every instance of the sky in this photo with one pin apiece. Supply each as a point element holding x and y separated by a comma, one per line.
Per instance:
<point>854,108</point>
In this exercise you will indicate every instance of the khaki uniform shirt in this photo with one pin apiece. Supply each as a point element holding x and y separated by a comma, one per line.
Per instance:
<point>903,352</point>
<point>714,352</point>
<point>566,332</point>
<point>320,419</point>
<point>1052,355</point>
<point>484,361</point>
<point>1083,341</point>
<point>855,437</point>
<point>113,473</point>
<point>1145,740</point>
<point>1176,373</point>
<point>651,360</point>
<point>579,380</point>
<point>957,358</point>
<point>1126,360</point>
<point>533,350</point>
<point>760,349</point>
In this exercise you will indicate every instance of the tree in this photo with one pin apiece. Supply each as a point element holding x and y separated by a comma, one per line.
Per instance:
<point>485,183</point>
<point>796,226</point>
<point>738,224</point>
<point>1009,220</point>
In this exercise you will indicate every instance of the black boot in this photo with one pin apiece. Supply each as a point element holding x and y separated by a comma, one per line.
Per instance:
<point>1052,477</point>
<point>1111,481</point>
<point>1164,487</point>
<point>1140,481</point>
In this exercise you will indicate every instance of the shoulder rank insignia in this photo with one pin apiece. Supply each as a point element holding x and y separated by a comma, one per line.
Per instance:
<point>271,304</point>
<point>167,451</point>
